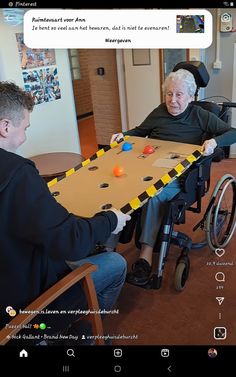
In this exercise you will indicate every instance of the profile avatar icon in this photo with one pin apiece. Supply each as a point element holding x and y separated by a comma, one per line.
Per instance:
<point>212,353</point>
<point>11,311</point>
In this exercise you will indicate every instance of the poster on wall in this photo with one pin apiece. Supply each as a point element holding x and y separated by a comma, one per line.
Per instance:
<point>43,84</point>
<point>39,72</point>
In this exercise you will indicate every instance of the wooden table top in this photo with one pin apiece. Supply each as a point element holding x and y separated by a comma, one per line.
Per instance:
<point>53,164</point>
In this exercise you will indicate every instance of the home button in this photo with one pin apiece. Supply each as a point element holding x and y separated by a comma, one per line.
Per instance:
<point>23,353</point>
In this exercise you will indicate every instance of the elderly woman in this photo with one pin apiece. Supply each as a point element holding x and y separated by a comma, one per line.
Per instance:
<point>180,121</point>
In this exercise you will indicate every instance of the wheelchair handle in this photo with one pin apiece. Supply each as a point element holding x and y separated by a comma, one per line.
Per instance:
<point>227,104</point>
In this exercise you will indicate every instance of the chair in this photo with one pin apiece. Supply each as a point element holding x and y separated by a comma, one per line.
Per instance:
<point>219,219</point>
<point>82,274</point>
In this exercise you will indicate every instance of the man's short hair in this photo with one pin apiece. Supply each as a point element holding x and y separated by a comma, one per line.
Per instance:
<point>13,101</point>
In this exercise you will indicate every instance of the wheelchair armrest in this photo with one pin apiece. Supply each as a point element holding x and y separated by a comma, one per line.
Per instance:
<point>127,232</point>
<point>199,172</point>
<point>216,156</point>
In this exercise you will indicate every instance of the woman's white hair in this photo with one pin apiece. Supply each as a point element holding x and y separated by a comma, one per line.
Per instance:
<point>185,77</point>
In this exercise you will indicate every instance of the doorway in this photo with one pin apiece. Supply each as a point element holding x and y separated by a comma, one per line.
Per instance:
<point>98,85</point>
<point>79,60</point>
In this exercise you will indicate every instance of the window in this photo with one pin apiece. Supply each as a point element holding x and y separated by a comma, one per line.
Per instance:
<point>74,64</point>
<point>168,59</point>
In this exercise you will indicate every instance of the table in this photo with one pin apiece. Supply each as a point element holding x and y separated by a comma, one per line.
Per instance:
<point>94,187</point>
<point>51,165</point>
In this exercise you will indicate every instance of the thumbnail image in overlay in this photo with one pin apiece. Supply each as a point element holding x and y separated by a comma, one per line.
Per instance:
<point>190,24</point>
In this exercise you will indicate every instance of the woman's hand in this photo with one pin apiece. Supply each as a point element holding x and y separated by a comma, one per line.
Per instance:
<point>208,147</point>
<point>116,137</point>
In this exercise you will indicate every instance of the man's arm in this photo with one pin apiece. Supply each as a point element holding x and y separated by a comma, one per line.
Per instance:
<point>38,219</point>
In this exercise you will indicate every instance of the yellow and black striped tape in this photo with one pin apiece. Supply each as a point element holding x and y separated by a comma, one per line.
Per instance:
<point>99,153</point>
<point>150,191</point>
<point>161,183</point>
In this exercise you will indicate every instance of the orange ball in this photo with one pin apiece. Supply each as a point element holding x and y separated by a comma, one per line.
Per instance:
<point>118,170</point>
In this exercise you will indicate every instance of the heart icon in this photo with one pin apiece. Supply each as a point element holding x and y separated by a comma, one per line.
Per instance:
<point>220,252</point>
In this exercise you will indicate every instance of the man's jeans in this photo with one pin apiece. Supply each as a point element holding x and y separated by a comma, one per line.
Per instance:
<point>108,278</point>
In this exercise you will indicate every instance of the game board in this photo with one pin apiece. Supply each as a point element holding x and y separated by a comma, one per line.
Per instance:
<point>125,176</point>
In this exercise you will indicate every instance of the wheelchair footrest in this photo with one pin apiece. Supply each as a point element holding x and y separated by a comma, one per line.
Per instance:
<point>153,283</point>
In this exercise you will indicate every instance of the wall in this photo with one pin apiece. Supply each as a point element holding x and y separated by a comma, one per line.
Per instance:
<point>233,147</point>
<point>142,87</point>
<point>220,83</point>
<point>105,93</point>
<point>53,125</point>
<point>82,90</point>
<point>221,80</point>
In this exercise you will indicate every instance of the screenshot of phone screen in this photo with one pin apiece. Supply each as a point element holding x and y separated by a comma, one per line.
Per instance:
<point>95,75</point>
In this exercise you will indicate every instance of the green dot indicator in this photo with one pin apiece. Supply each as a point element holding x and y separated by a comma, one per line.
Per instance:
<point>42,326</point>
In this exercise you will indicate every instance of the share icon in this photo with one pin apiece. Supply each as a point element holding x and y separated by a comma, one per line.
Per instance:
<point>220,300</point>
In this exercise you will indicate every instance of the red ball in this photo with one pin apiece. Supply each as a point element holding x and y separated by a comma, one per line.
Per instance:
<point>149,149</point>
<point>118,170</point>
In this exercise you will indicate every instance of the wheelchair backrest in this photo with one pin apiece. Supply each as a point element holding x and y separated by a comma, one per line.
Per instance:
<point>198,70</point>
<point>218,110</point>
<point>209,106</point>
<point>201,75</point>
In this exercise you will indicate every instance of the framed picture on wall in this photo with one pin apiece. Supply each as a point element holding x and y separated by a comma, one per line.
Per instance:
<point>141,56</point>
<point>168,59</point>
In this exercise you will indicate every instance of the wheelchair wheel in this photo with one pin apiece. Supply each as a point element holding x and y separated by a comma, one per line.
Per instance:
<point>221,218</point>
<point>181,275</point>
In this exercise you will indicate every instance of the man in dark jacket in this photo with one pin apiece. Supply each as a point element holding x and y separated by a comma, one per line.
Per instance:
<point>37,234</point>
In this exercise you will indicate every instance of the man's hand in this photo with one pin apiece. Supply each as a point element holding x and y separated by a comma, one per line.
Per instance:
<point>122,218</point>
<point>208,147</point>
<point>116,137</point>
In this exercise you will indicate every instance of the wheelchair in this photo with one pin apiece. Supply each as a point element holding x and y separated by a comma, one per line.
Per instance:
<point>218,221</point>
